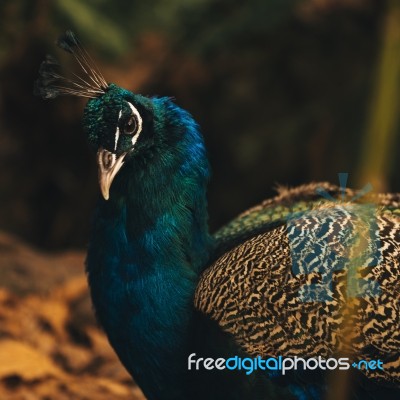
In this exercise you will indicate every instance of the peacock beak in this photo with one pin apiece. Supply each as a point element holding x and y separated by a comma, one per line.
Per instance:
<point>108,165</point>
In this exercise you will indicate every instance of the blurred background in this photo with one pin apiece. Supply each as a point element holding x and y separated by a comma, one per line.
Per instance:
<point>285,91</point>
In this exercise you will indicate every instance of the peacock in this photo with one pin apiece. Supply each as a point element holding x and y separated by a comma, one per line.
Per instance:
<point>296,298</point>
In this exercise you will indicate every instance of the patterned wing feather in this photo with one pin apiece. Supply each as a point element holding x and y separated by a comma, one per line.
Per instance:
<point>324,282</point>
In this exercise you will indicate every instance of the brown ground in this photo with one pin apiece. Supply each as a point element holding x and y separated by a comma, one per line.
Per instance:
<point>50,344</point>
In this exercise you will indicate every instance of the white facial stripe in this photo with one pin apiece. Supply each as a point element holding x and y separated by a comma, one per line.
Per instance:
<point>117,132</point>
<point>116,139</point>
<point>139,122</point>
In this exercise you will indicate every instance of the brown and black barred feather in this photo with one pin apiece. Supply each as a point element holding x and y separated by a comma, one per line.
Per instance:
<point>265,294</point>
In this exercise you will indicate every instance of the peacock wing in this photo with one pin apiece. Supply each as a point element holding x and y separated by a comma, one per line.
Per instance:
<point>325,282</point>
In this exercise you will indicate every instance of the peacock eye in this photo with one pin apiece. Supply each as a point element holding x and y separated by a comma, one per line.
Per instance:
<point>130,126</point>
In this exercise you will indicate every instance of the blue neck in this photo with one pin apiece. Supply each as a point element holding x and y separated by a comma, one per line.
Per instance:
<point>148,245</point>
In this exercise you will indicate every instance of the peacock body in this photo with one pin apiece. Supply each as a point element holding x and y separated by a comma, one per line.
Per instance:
<point>299,275</point>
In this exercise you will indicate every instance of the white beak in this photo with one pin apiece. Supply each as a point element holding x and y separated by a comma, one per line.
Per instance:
<point>108,165</point>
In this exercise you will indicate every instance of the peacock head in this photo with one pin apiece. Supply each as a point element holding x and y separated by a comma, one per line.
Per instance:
<point>119,124</point>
